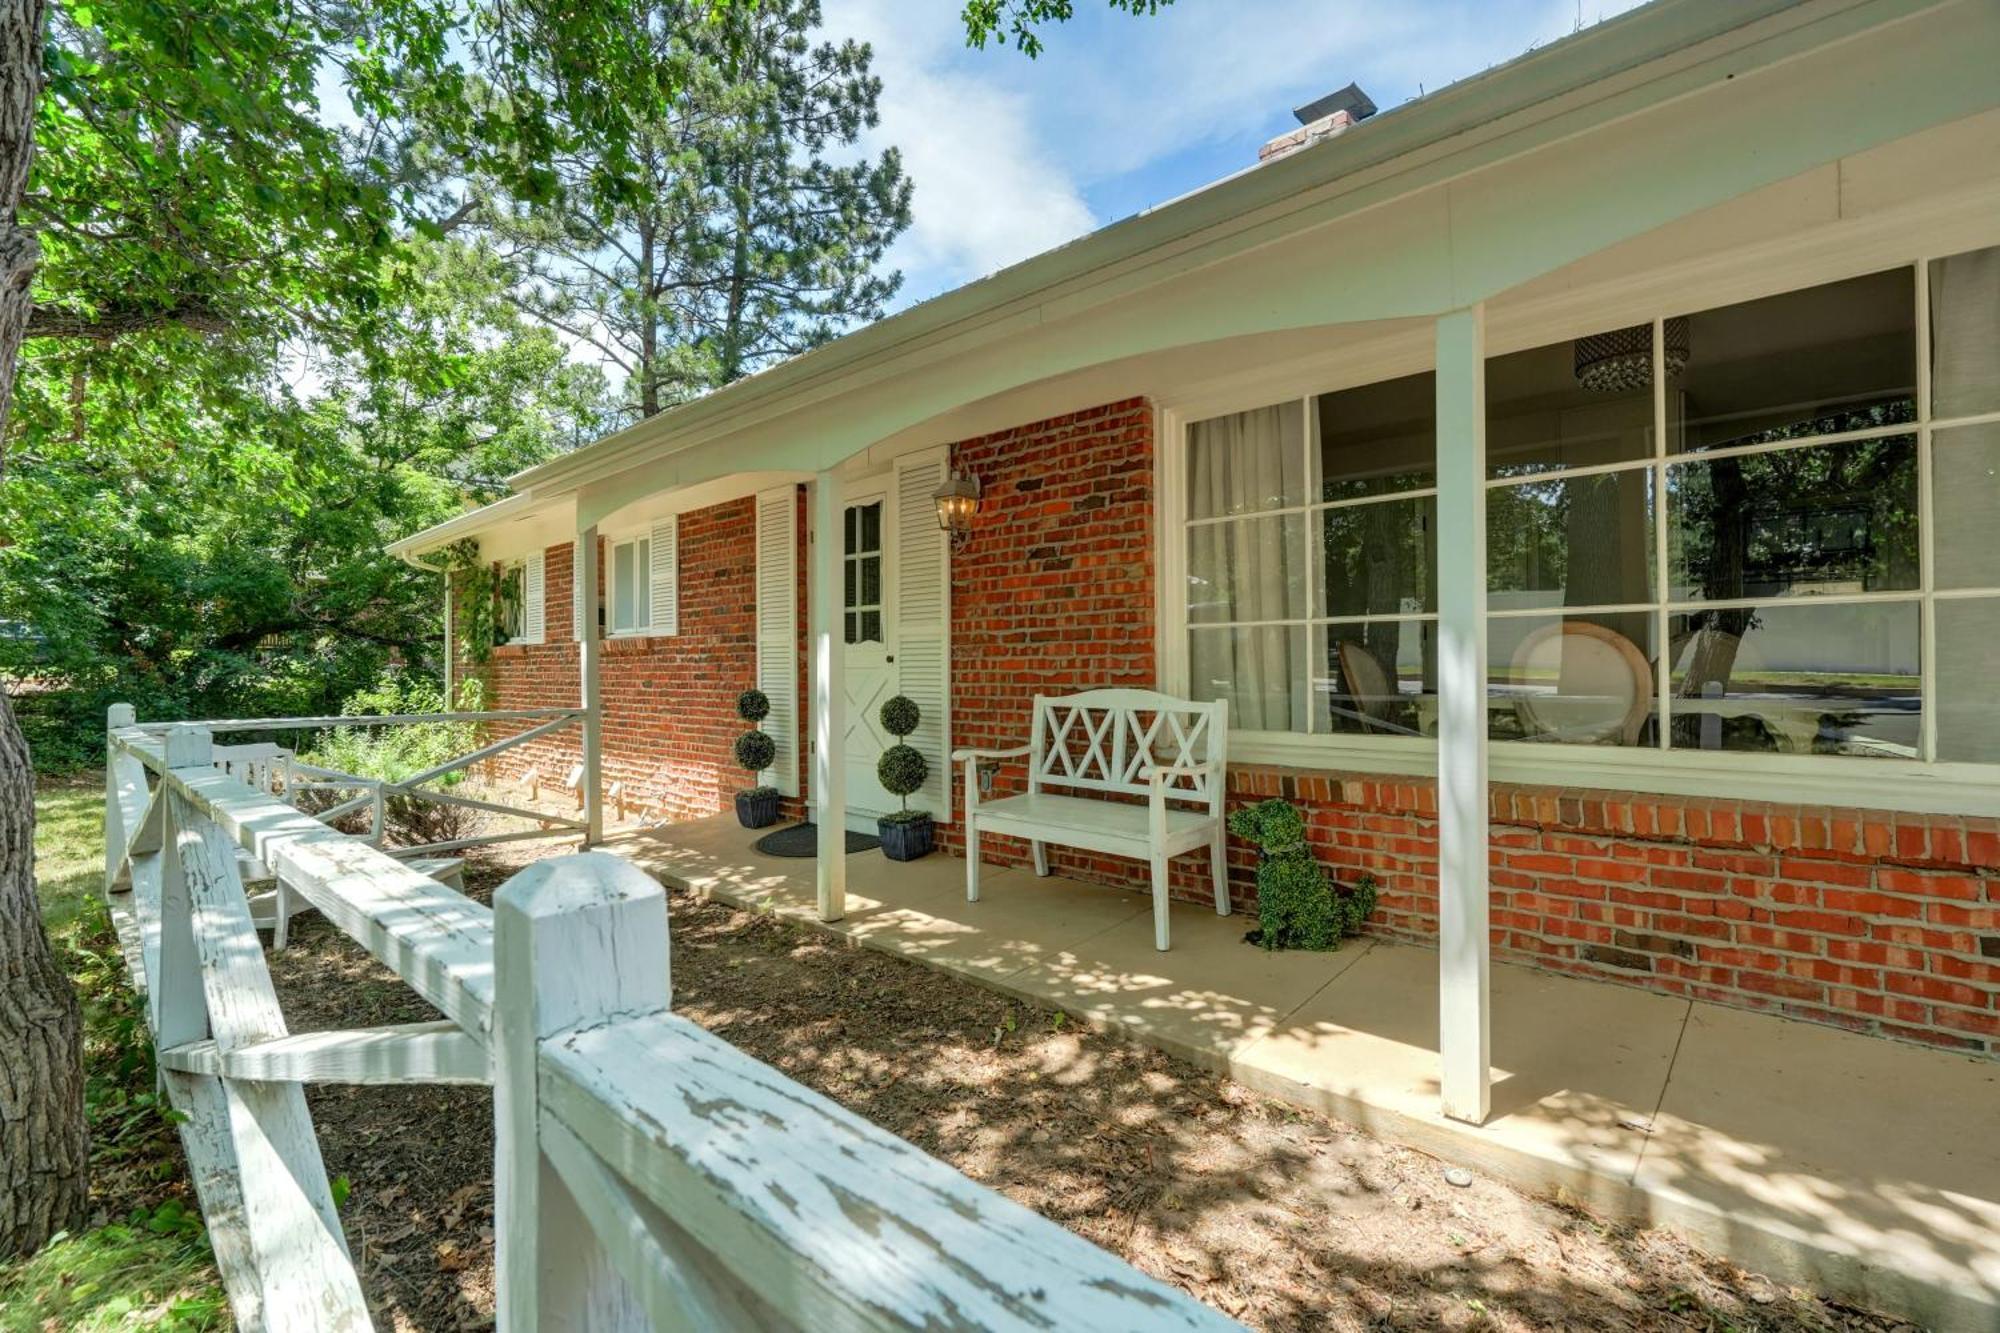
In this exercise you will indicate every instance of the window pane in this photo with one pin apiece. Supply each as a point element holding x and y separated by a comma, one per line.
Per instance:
<point>1832,358</point>
<point>871,527</point>
<point>1260,671</point>
<point>1968,664</point>
<point>871,627</point>
<point>1378,678</point>
<point>1832,518</point>
<point>871,581</point>
<point>642,584</point>
<point>1247,569</point>
<point>1965,334</point>
<point>853,628</point>
<point>1798,679</point>
<point>851,585</point>
<point>1378,438</point>
<point>1579,680</point>
<point>623,600</point>
<point>513,602</point>
<point>1965,488</point>
<point>1380,558</point>
<point>1247,461</point>
<point>1548,407</point>
<point>1571,541</point>
<point>851,530</point>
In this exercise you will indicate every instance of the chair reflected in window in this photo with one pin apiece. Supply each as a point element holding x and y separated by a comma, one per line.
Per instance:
<point>1581,683</point>
<point>1369,693</point>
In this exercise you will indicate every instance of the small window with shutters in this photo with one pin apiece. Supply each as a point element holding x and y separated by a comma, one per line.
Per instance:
<point>520,616</point>
<point>642,580</point>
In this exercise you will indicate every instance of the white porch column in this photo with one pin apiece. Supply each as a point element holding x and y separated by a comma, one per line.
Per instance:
<point>590,662</point>
<point>829,698</point>
<point>450,644</point>
<point>1464,1038</point>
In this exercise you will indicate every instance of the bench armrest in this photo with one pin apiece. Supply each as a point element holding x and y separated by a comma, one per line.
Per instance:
<point>1011,752</point>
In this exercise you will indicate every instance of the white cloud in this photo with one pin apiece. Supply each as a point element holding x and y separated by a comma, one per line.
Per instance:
<point>989,190</point>
<point>1004,150</point>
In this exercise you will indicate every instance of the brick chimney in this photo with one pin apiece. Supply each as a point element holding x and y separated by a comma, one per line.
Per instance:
<point>1321,119</point>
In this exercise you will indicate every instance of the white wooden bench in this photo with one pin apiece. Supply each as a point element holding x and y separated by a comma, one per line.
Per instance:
<point>1125,742</point>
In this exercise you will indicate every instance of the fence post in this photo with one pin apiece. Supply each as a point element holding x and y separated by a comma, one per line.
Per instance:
<point>116,836</point>
<point>578,941</point>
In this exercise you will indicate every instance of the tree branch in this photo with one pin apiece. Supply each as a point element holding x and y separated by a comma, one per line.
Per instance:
<point>114,322</point>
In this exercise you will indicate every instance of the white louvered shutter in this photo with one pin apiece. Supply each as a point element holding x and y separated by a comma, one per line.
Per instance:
<point>778,627</point>
<point>534,614</point>
<point>923,620</point>
<point>664,615</point>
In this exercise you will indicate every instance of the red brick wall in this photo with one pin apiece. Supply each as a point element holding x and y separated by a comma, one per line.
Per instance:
<point>670,719</point>
<point>1877,922</point>
<point>1054,591</point>
<point>540,675</point>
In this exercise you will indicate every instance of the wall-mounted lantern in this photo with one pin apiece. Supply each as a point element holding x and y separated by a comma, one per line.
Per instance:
<point>957,501</point>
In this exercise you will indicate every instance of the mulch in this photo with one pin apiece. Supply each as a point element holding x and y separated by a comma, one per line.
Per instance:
<point>1281,1218</point>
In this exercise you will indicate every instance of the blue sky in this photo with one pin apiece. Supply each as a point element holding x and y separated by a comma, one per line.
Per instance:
<point>1012,156</point>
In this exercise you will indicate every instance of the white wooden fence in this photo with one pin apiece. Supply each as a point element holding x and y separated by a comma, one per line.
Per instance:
<point>646,1173</point>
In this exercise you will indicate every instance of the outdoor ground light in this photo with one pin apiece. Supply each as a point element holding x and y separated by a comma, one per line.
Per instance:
<point>957,501</point>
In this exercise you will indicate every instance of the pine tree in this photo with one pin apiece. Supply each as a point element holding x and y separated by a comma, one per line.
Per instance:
<point>750,238</point>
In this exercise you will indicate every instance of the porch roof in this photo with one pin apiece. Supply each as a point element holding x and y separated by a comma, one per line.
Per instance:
<point>1660,52</point>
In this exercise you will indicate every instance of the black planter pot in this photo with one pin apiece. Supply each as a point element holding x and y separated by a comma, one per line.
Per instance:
<point>905,840</point>
<point>757,809</point>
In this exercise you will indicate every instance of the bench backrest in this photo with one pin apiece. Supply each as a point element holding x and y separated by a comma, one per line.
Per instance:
<point>260,765</point>
<point>1107,740</point>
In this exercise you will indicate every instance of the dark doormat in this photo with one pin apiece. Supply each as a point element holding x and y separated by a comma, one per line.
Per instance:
<point>802,840</point>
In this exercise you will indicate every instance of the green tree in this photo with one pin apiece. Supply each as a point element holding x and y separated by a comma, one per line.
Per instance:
<point>189,190</point>
<point>746,242</point>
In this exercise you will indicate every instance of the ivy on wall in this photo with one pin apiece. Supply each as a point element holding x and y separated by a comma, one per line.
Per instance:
<point>488,596</point>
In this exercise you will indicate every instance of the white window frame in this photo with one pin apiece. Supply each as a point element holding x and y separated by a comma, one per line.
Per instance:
<point>885,600</point>
<point>1922,783</point>
<point>519,632</point>
<point>647,597</point>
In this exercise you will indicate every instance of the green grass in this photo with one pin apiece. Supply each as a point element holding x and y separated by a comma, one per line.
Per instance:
<point>149,1268</point>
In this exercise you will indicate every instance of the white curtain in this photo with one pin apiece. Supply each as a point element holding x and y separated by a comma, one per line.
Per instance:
<point>1965,334</point>
<point>1248,568</point>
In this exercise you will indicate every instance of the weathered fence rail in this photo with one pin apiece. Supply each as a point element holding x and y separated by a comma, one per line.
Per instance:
<point>646,1173</point>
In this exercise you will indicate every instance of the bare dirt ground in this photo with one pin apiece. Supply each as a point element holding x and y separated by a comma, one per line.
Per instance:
<point>1282,1219</point>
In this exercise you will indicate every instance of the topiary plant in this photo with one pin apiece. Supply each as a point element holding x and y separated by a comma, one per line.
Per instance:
<point>1297,907</point>
<point>902,769</point>
<point>755,750</point>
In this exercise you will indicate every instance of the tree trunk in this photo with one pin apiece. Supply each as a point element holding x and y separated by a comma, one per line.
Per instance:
<point>44,1187</point>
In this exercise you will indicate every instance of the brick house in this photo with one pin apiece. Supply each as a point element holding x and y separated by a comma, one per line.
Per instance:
<point>1614,433</point>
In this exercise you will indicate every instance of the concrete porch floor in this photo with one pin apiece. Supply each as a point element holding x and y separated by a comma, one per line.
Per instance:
<point>1867,1169</point>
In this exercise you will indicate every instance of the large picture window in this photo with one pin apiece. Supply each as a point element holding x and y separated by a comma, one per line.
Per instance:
<point>1311,559</point>
<point>1767,526</point>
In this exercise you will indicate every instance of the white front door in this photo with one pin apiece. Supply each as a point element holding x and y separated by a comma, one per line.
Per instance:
<point>867,631</point>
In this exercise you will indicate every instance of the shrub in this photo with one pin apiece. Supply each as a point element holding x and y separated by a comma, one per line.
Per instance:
<point>900,715</point>
<point>755,751</point>
<point>1297,907</point>
<point>901,769</point>
<point>393,754</point>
